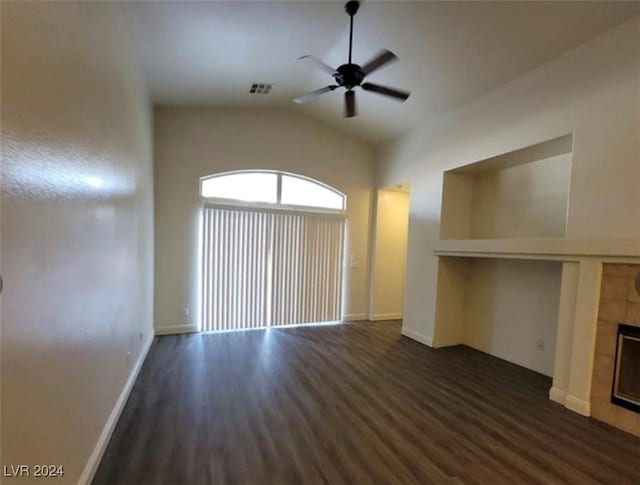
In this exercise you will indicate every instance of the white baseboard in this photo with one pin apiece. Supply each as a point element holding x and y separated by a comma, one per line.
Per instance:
<point>176,329</point>
<point>577,405</point>
<point>557,395</point>
<point>103,440</point>
<point>423,339</point>
<point>439,344</point>
<point>355,317</point>
<point>385,316</point>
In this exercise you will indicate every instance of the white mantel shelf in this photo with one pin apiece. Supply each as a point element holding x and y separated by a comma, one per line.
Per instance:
<point>555,249</point>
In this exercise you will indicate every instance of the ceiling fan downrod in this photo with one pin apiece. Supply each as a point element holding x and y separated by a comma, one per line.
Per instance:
<point>351,8</point>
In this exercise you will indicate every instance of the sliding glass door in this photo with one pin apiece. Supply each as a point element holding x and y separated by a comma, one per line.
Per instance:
<point>265,268</point>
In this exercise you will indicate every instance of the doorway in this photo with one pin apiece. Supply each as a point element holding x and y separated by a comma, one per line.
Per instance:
<point>389,253</point>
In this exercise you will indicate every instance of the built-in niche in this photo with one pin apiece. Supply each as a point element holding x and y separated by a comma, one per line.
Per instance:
<point>521,194</point>
<point>505,307</point>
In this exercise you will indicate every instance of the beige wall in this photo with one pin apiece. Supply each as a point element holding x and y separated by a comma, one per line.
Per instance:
<point>194,142</point>
<point>76,230</point>
<point>389,255</point>
<point>592,92</point>
<point>528,200</point>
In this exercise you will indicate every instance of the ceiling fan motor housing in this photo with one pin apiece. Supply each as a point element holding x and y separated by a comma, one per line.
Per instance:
<point>349,75</point>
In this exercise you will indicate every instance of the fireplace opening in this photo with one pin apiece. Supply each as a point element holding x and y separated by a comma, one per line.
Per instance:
<point>626,373</point>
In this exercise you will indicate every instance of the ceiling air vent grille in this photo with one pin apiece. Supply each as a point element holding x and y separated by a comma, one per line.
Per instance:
<point>260,88</point>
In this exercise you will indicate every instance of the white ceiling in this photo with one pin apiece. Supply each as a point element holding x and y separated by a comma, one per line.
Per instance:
<point>208,53</point>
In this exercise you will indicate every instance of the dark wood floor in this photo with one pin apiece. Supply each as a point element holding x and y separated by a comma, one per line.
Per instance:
<point>346,404</point>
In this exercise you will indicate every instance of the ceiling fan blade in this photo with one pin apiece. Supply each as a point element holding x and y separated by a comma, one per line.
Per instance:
<point>394,93</point>
<point>313,94</point>
<point>383,57</point>
<point>319,64</point>
<point>350,104</point>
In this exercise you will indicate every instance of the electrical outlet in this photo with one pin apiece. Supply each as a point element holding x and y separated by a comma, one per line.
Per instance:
<point>540,345</point>
<point>185,312</point>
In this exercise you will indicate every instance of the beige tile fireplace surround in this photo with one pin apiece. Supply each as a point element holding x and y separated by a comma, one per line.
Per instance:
<point>619,303</point>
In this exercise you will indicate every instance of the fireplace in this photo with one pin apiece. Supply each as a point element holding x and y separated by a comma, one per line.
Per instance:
<point>615,381</point>
<point>625,391</point>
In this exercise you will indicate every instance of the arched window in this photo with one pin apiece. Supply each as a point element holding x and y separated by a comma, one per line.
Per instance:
<point>271,188</point>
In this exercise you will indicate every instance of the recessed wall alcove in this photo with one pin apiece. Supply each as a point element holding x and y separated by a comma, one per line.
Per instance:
<point>504,307</point>
<point>520,194</point>
<point>504,304</point>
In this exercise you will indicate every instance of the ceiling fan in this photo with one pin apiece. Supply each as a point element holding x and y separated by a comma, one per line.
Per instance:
<point>350,76</point>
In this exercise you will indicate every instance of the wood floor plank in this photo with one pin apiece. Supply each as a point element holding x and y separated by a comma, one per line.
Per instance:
<point>353,403</point>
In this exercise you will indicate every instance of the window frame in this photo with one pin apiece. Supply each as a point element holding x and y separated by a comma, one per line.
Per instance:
<point>278,205</point>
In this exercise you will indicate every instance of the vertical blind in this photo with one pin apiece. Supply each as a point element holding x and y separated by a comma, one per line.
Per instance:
<point>307,269</point>
<point>263,269</point>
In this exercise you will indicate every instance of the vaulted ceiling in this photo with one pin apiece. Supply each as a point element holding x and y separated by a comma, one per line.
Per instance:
<point>209,53</point>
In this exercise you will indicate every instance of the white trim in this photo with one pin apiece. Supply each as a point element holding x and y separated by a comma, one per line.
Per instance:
<point>577,405</point>
<point>423,339</point>
<point>438,344</point>
<point>385,316</point>
<point>176,329</point>
<point>103,440</point>
<point>550,249</point>
<point>557,395</point>
<point>355,317</point>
